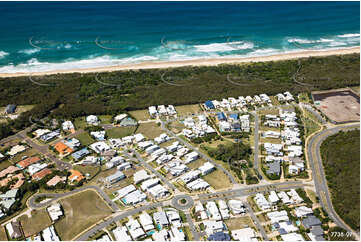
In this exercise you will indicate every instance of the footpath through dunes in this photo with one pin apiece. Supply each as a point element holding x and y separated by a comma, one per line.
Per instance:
<point>341,161</point>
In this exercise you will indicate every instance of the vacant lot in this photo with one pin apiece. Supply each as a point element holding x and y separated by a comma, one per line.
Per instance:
<point>38,221</point>
<point>4,164</point>
<point>85,138</point>
<point>140,114</point>
<point>150,130</point>
<point>217,179</point>
<point>239,223</point>
<point>341,105</point>
<point>196,164</point>
<point>187,109</point>
<point>91,170</point>
<point>81,211</point>
<point>120,132</point>
<point>3,236</point>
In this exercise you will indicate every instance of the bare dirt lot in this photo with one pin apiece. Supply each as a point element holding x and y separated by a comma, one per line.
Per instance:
<point>341,105</point>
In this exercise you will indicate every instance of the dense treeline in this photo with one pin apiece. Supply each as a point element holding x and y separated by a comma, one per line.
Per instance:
<point>341,160</point>
<point>74,95</point>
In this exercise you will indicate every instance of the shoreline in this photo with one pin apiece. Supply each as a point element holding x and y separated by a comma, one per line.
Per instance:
<point>195,62</point>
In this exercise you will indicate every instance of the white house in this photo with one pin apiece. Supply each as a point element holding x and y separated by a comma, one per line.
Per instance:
<point>92,120</point>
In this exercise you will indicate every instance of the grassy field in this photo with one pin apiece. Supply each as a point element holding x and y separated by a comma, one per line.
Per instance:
<point>196,164</point>
<point>312,195</point>
<point>217,179</point>
<point>188,233</point>
<point>187,109</point>
<point>150,130</point>
<point>91,170</point>
<point>4,164</point>
<point>120,132</point>
<point>238,223</point>
<point>272,111</point>
<point>270,140</point>
<point>38,221</point>
<point>85,138</point>
<point>81,211</point>
<point>140,114</point>
<point>80,123</point>
<point>105,119</point>
<point>3,236</point>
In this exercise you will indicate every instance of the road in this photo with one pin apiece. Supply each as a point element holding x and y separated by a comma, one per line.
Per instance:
<point>201,154</point>
<point>55,196</point>
<point>256,221</point>
<point>256,149</point>
<point>315,160</point>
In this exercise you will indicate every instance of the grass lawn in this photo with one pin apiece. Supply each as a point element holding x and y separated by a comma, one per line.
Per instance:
<point>188,233</point>
<point>4,164</point>
<point>217,179</point>
<point>303,97</point>
<point>92,170</point>
<point>312,195</point>
<point>262,218</point>
<point>3,236</point>
<point>150,130</point>
<point>187,109</point>
<point>274,100</point>
<point>272,111</point>
<point>238,223</point>
<point>196,164</point>
<point>120,132</point>
<point>140,114</point>
<point>82,210</point>
<point>105,119</point>
<point>39,220</point>
<point>80,123</point>
<point>270,140</point>
<point>85,138</point>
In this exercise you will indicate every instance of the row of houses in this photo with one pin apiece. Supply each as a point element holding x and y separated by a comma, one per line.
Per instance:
<point>161,110</point>
<point>287,198</point>
<point>197,128</point>
<point>233,123</point>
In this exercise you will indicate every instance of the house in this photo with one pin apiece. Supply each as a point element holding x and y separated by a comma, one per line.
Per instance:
<point>245,234</point>
<point>9,170</point>
<point>223,209</point>
<point>49,234</point>
<point>34,168</point>
<point>151,149</point>
<point>14,230</point>
<point>161,138</point>
<point>41,174</point>
<point>92,120</point>
<point>134,228</point>
<point>219,236</point>
<point>99,147</point>
<point>62,148</point>
<point>206,168</point>
<point>55,180</point>
<point>75,176</point>
<point>302,211</point>
<point>292,237</point>
<point>199,211</point>
<point>68,126</point>
<point>120,234</point>
<point>134,198</point>
<point>274,168</point>
<point>139,137</point>
<point>125,190</point>
<point>271,134</point>
<point>221,116</point>
<point>316,233</point>
<point>73,143</point>
<point>191,157</point>
<point>80,153</point>
<point>146,221</point>
<point>161,219</point>
<point>145,144</point>
<point>224,126</point>
<point>8,199</point>
<point>212,227</point>
<point>278,216</point>
<point>262,202</point>
<point>198,184</point>
<point>149,183</point>
<point>286,227</point>
<point>104,237</point>
<point>120,117</point>
<point>273,198</point>
<point>233,117</point>
<point>152,111</point>
<point>190,176</point>
<point>284,197</point>
<point>27,162</point>
<point>98,135</point>
<point>237,207</point>
<point>49,136</point>
<point>140,176</point>
<point>55,211</point>
<point>16,149</point>
<point>311,221</point>
<point>174,218</point>
<point>209,105</point>
<point>114,162</point>
<point>213,211</point>
<point>10,108</point>
<point>117,176</point>
<point>176,168</point>
<point>158,191</point>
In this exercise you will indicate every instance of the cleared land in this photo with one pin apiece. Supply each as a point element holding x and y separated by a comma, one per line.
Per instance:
<point>38,221</point>
<point>196,164</point>
<point>187,109</point>
<point>120,132</point>
<point>85,138</point>
<point>217,179</point>
<point>140,114</point>
<point>3,236</point>
<point>238,223</point>
<point>150,130</point>
<point>341,160</point>
<point>340,105</point>
<point>81,211</point>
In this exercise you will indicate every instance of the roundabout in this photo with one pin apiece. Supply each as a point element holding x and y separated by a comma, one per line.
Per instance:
<point>182,202</point>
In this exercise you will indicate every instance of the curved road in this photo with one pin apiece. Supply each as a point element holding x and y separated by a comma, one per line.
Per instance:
<point>314,157</point>
<point>56,196</point>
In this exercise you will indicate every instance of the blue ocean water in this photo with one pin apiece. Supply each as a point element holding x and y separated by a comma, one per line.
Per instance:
<point>42,36</point>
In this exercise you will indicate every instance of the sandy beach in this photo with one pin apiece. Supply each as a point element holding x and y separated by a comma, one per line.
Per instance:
<point>196,62</point>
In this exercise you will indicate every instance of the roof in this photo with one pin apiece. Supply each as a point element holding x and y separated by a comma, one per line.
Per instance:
<point>160,218</point>
<point>311,221</point>
<point>274,168</point>
<point>221,116</point>
<point>10,108</point>
<point>234,116</point>
<point>80,153</point>
<point>219,236</point>
<point>55,180</point>
<point>209,104</point>
<point>317,230</point>
<point>28,161</point>
<point>76,175</point>
<point>41,174</point>
<point>8,170</point>
<point>62,148</point>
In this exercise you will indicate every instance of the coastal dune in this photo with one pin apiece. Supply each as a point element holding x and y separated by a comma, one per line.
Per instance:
<point>195,62</point>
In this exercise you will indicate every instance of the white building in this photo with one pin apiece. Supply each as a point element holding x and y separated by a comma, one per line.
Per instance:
<point>55,211</point>
<point>120,234</point>
<point>206,168</point>
<point>49,234</point>
<point>92,120</point>
<point>134,228</point>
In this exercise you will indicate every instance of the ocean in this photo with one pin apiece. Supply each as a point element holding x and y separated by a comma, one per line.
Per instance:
<point>46,36</point>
